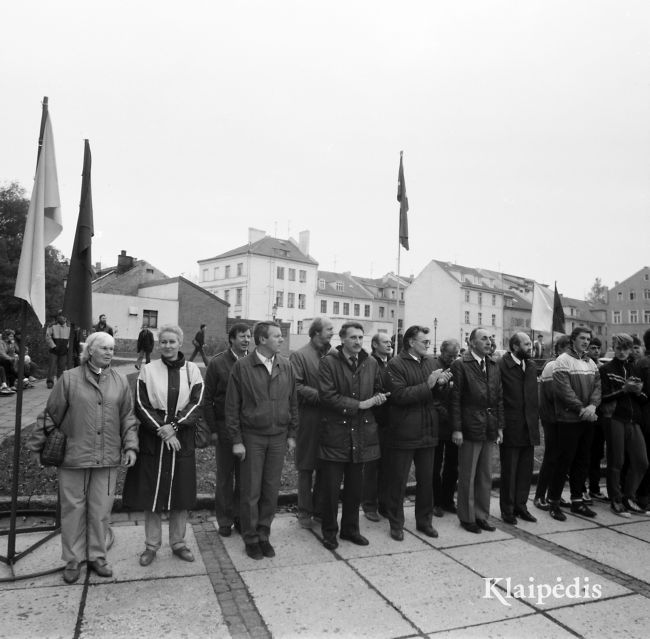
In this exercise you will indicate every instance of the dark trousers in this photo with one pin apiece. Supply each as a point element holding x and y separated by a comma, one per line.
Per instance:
<point>574,447</point>
<point>331,475</point>
<point>375,474</point>
<point>549,461</point>
<point>596,455</point>
<point>308,493</point>
<point>260,474</point>
<point>445,473</point>
<point>227,491</point>
<point>643,491</point>
<point>516,477</point>
<point>399,465</point>
<point>198,350</point>
<point>624,438</point>
<point>58,363</point>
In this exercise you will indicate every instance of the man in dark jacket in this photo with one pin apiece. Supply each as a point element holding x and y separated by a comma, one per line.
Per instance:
<point>349,387</point>
<point>375,472</point>
<point>477,422</point>
<point>199,342</point>
<point>413,432</point>
<point>226,498</point>
<point>642,371</point>
<point>144,346</point>
<point>261,418</point>
<point>57,337</point>
<point>521,428</point>
<point>445,459</point>
<point>305,362</point>
<point>102,326</point>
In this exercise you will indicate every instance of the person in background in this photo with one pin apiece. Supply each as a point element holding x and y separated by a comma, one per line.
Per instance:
<point>305,362</point>
<point>102,326</point>
<point>538,348</point>
<point>93,406</point>
<point>637,348</point>
<point>144,346</point>
<point>57,337</point>
<point>642,371</point>
<point>169,392</point>
<point>597,451</point>
<point>199,343</point>
<point>227,489</point>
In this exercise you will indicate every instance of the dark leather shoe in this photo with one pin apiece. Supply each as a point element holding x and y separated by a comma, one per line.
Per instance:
<point>71,572</point>
<point>147,557</point>
<point>267,549</point>
<point>371,515</point>
<point>429,531</point>
<point>450,508</point>
<point>483,524</point>
<point>556,512</point>
<point>438,512</point>
<point>183,553</point>
<point>100,566</point>
<point>509,519</point>
<point>580,508</point>
<point>330,542</point>
<point>525,515</point>
<point>397,534</point>
<point>470,526</point>
<point>355,538</point>
<point>254,551</point>
<point>225,531</point>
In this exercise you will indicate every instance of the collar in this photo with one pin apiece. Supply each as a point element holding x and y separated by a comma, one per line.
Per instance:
<point>477,358</point>
<point>516,360</point>
<point>237,356</point>
<point>95,369</point>
<point>417,359</point>
<point>264,359</point>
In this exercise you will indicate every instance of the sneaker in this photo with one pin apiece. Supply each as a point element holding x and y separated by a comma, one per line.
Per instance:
<point>541,503</point>
<point>586,499</point>
<point>5,390</point>
<point>620,510</point>
<point>598,495</point>
<point>633,507</point>
<point>580,508</point>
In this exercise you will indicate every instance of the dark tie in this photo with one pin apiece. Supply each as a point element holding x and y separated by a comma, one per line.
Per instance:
<point>353,362</point>
<point>483,366</point>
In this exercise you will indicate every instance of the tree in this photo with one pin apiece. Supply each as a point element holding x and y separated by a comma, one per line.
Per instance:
<point>13,215</point>
<point>598,292</point>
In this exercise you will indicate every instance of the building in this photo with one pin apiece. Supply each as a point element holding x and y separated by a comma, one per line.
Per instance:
<point>388,294</point>
<point>583,313</point>
<point>267,278</point>
<point>628,305</point>
<point>135,293</point>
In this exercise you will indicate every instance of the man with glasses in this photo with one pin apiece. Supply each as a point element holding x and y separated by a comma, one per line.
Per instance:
<point>413,430</point>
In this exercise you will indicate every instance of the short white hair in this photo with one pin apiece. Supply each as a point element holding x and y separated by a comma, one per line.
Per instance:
<point>94,339</point>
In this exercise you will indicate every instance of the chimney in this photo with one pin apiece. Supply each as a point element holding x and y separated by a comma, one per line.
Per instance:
<point>98,266</point>
<point>303,242</point>
<point>255,235</point>
<point>124,263</point>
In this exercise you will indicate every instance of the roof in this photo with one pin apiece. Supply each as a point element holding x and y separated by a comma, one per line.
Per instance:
<point>351,287</point>
<point>268,247</point>
<point>387,281</point>
<point>518,302</point>
<point>585,310</point>
<point>179,279</point>
<point>466,276</point>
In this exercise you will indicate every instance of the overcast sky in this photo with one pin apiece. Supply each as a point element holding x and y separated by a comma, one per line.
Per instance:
<point>525,127</point>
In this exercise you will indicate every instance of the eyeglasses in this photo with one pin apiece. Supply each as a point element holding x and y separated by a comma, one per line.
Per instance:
<point>426,342</point>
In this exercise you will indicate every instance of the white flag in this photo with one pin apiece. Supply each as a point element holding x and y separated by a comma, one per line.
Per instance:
<point>541,318</point>
<point>42,227</point>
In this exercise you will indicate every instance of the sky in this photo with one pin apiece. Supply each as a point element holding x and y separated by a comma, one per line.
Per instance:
<point>524,124</point>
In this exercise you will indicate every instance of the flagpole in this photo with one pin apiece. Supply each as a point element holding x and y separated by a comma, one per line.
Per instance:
<point>399,255</point>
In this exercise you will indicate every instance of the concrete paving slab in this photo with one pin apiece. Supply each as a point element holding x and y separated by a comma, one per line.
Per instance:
<point>535,626</point>
<point>329,599</point>
<point>125,552</point>
<point>627,617</point>
<point>293,546</point>
<point>638,529</point>
<point>47,612</point>
<point>180,607</point>
<point>611,548</point>
<point>434,591</point>
<point>526,565</point>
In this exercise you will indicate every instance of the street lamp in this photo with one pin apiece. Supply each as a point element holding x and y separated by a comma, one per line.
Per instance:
<point>435,335</point>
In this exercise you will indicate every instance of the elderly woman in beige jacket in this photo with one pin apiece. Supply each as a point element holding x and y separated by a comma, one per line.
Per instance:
<point>93,406</point>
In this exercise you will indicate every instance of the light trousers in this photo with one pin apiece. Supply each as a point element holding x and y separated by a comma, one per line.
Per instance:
<point>474,480</point>
<point>153,529</point>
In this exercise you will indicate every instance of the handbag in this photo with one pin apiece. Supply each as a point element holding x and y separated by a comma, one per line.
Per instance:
<point>202,434</point>
<point>53,450</point>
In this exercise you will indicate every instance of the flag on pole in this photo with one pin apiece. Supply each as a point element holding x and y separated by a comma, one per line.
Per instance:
<point>403,206</point>
<point>558,313</point>
<point>77,303</point>
<point>43,225</point>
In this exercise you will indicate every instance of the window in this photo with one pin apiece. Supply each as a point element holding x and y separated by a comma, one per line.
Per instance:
<point>299,327</point>
<point>619,296</point>
<point>280,272</point>
<point>302,298</point>
<point>291,300</point>
<point>150,318</point>
<point>335,308</point>
<point>480,299</point>
<point>205,274</point>
<point>238,297</point>
<point>466,317</point>
<point>227,274</point>
<point>646,294</point>
<point>357,310</point>
<point>279,299</point>
<point>292,274</point>
<point>323,306</point>
<point>381,312</point>
<point>240,269</point>
<point>480,319</point>
<point>494,300</point>
<point>401,295</point>
<point>646,277</point>
<point>226,295</point>
<point>572,312</point>
<point>599,330</point>
<point>646,317</point>
<point>632,295</point>
<point>467,296</point>
<point>381,293</point>
<point>392,313</point>
<point>321,284</point>
<point>634,317</point>
<point>616,317</point>
<point>302,276</point>
<point>366,310</point>
<point>346,308</point>
<point>216,273</point>
<point>392,293</point>
<point>494,320</point>
<point>339,286</point>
